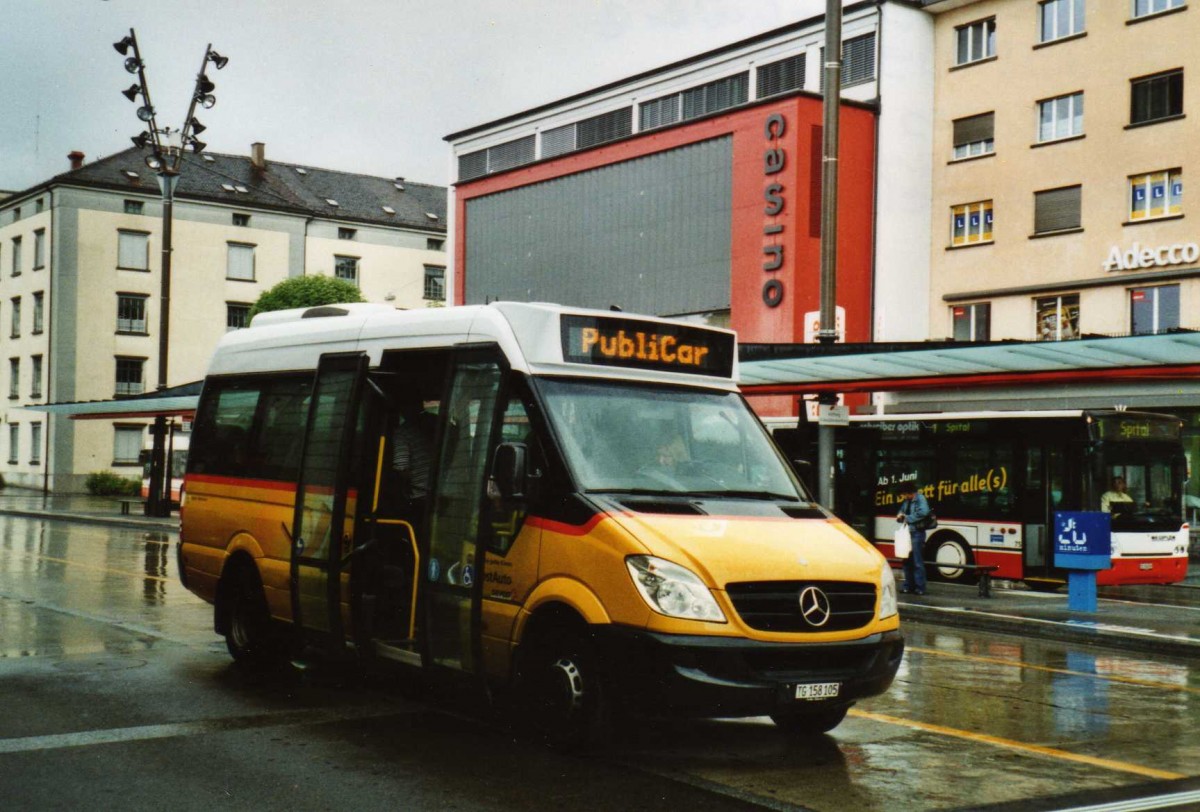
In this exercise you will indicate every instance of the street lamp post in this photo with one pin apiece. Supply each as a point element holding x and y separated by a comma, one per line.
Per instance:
<point>167,148</point>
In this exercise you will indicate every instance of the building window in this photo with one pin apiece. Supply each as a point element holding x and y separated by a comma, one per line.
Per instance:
<point>133,250</point>
<point>1060,18</point>
<point>1157,97</point>
<point>1057,317</point>
<point>240,262</point>
<point>16,214</point>
<point>1157,194</point>
<point>780,77</point>
<point>16,256</point>
<point>1154,310</point>
<point>1061,117</point>
<point>1143,8</point>
<point>971,223</point>
<point>15,330</point>
<point>131,313</point>
<point>695,102</point>
<point>432,244</point>
<point>134,206</point>
<point>241,219</point>
<point>39,309</point>
<point>858,60</point>
<point>35,443</point>
<point>129,376</point>
<point>39,249</point>
<point>974,136</point>
<point>14,378</point>
<point>346,268</point>
<point>127,444</point>
<point>435,283</point>
<point>39,206</point>
<point>972,322</point>
<point>14,442</point>
<point>35,386</point>
<point>237,316</point>
<point>347,233</point>
<point>497,158</point>
<point>1057,209</point>
<point>976,41</point>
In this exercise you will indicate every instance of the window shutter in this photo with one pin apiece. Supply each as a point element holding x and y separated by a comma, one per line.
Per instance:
<point>858,59</point>
<point>606,127</point>
<point>782,76</point>
<point>513,153</point>
<point>1057,209</point>
<point>131,250</point>
<point>241,262</point>
<point>472,165</point>
<point>974,128</point>
<point>558,141</point>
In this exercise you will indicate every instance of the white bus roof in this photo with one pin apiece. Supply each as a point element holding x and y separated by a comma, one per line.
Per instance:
<point>532,336</point>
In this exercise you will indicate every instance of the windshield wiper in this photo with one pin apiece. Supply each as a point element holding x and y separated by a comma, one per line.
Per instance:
<point>639,492</point>
<point>786,497</point>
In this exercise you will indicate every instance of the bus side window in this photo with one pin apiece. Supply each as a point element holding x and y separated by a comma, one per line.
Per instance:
<point>509,516</point>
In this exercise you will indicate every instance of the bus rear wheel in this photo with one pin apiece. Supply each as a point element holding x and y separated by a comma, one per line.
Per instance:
<point>561,695</point>
<point>947,550</point>
<point>810,723</point>
<point>249,635</point>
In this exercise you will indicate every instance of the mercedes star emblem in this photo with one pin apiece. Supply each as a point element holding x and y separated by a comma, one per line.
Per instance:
<point>814,606</point>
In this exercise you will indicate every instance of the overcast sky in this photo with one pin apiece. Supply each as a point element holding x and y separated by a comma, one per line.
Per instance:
<point>367,86</point>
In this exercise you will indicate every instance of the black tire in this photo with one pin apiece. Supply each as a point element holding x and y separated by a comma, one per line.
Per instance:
<point>250,636</point>
<point>812,722</point>
<point>561,695</point>
<point>950,549</point>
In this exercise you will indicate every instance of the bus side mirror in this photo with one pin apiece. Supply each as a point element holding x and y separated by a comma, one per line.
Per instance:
<point>510,469</point>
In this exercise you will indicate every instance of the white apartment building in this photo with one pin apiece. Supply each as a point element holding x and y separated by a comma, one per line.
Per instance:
<point>80,283</point>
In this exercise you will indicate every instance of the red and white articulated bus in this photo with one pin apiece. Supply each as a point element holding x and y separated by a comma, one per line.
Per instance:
<point>995,480</point>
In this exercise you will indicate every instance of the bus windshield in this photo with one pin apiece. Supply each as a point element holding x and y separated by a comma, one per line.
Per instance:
<point>655,439</point>
<point>1139,490</point>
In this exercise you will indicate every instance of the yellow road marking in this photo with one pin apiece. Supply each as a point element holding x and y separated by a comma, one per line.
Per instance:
<point>1148,683</point>
<point>67,561</point>
<point>1021,747</point>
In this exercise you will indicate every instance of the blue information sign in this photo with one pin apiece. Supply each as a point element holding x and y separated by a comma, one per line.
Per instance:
<point>1083,540</point>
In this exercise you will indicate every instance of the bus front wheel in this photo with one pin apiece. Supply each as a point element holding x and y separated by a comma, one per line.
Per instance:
<point>810,723</point>
<point>561,689</point>
<point>248,634</point>
<point>947,550</point>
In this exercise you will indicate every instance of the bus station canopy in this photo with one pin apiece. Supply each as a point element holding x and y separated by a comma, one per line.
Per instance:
<point>174,401</point>
<point>797,369</point>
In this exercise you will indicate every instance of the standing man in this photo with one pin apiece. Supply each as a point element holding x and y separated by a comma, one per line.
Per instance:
<point>914,509</point>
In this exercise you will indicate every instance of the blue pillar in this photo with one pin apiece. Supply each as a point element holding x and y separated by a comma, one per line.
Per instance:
<point>1081,591</point>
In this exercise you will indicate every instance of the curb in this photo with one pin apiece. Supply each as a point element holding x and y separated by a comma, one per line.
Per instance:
<point>155,525</point>
<point>1143,641</point>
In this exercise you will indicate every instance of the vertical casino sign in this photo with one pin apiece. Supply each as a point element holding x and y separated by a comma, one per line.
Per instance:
<point>774,161</point>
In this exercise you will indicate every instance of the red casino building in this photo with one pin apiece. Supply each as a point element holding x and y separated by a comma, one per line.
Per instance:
<point>694,191</point>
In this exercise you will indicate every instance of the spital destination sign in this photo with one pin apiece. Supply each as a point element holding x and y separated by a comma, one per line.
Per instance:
<point>646,345</point>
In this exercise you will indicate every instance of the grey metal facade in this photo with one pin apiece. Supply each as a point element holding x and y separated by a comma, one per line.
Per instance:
<point>650,235</point>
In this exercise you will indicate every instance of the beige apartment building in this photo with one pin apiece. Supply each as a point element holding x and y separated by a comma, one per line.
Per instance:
<point>80,283</point>
<point>1061,140</point>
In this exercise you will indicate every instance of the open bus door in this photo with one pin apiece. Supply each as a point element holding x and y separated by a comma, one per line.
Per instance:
<point>321,539</point>
<point>459,514</point>
<point>1053,483</point>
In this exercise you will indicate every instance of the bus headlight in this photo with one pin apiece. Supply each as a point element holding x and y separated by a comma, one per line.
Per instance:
<point>671,590</point>
<point>887,591</point>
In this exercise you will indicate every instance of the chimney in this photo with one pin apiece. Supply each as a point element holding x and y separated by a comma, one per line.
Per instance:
<point>76,158</point>
<point>258,155</point>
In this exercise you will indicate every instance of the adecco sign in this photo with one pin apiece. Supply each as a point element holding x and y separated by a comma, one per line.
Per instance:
<point>1180,253</point>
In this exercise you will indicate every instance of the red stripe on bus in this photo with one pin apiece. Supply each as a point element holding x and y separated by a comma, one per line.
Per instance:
<point>564,528</point>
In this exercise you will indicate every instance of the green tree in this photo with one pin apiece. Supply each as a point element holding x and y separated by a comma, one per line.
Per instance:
<point>306,291</point>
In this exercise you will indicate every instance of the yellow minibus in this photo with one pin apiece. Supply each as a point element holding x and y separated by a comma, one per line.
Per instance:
<point>572,508</point>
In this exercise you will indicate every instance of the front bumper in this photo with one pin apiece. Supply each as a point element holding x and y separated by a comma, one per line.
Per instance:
<point>720,676</point>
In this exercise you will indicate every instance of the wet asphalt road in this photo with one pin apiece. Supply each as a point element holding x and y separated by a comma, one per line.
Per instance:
<point>117,695</point>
